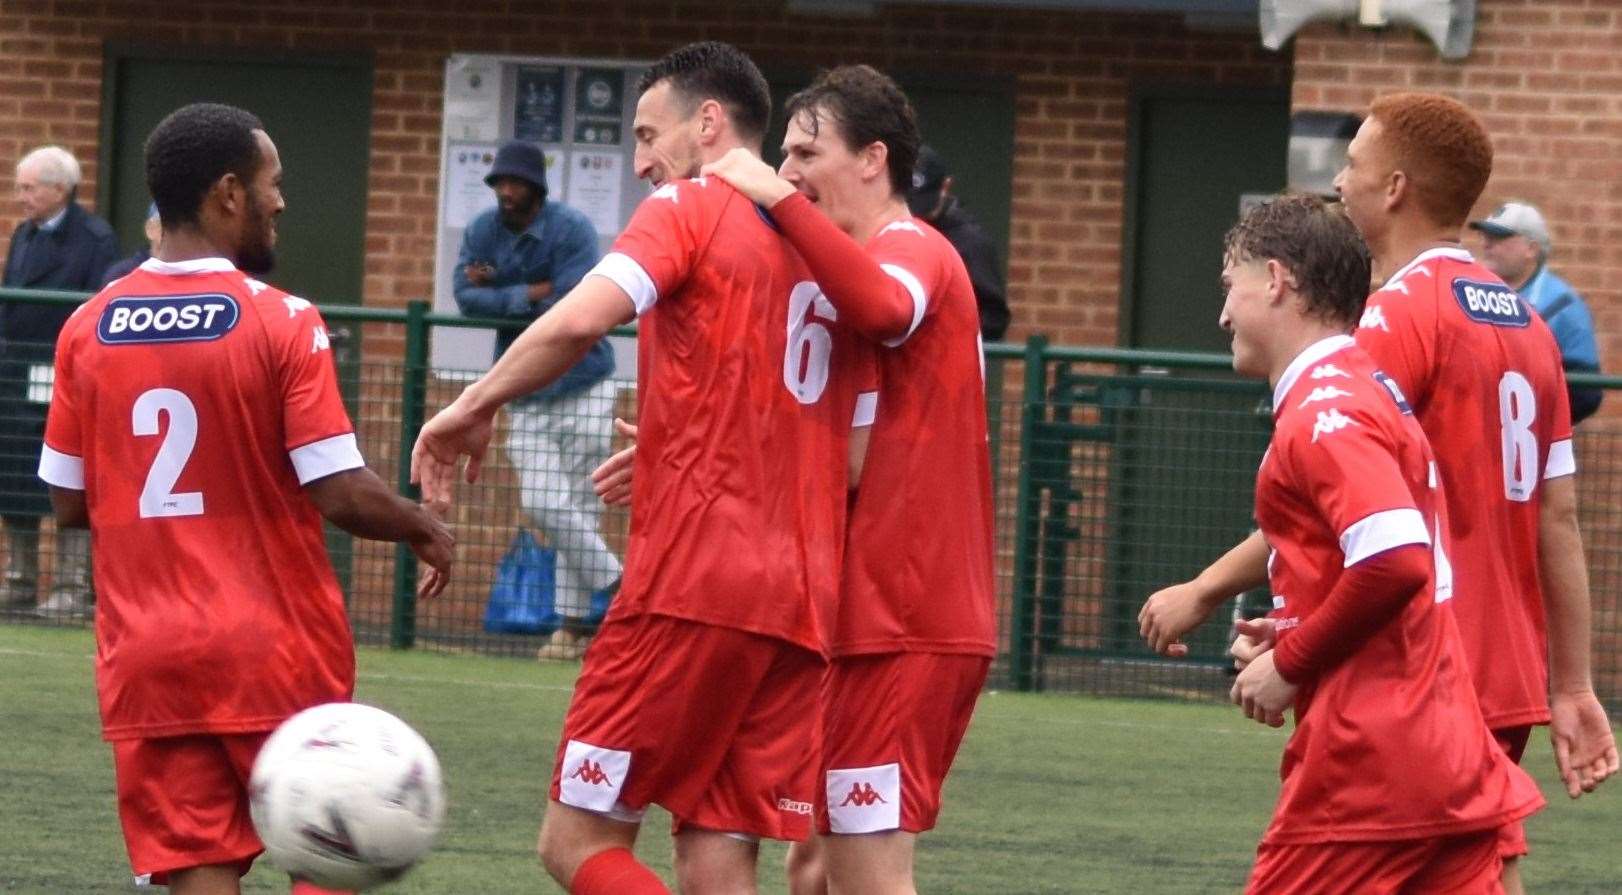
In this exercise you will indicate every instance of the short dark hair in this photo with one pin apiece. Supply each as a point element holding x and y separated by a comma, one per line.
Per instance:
<point>720,71</point>
<point>1317,243</point>
<point>1443,148</point>
<point>869,108</point>
<point>192,149</point>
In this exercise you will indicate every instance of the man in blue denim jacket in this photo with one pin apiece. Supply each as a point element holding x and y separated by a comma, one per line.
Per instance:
<point>517,259</point>
<point>1517,247</point>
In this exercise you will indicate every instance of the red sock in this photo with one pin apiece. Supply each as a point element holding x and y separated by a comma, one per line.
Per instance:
<point>303,888</point>
<point>615,871</point>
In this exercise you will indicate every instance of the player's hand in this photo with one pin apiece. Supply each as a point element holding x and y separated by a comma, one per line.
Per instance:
<point>612,479</point>
<point>452,434</point>
<point>1256,636</point>
<point>1261,692</point>
<point>436,547</point>
<point>1169,615</point>
<point>1584,746</point>
<point>750,176</point>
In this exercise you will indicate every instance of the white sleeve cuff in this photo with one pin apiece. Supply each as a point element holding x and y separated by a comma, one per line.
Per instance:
<point>867,405</point>
<point>319,459</point>
<point>1562,460</point>
<point>1379,532</point>
<point>920,301</point>
<point>624,272</point>
<point>61,470</point>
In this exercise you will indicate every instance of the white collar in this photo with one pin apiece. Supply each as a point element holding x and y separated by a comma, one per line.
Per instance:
<point>1457,254</point>
<point>55,220</point>
<point>185,268</point>
<point>1313,353</point>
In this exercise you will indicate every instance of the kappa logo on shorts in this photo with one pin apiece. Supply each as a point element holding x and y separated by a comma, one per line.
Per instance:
<point>793,806</point>
<point>864,800</point>
<point>591,772</point>
<point>862,795</point>
<point>591,777</point>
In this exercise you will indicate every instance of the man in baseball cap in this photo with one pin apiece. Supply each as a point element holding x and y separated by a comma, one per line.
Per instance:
<point>1516,247</point>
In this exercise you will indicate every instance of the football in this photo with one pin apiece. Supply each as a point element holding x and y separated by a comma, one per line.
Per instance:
<point>346,796</point>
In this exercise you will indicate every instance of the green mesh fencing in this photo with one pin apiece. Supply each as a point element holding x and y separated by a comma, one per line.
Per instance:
<point>1116,473</point>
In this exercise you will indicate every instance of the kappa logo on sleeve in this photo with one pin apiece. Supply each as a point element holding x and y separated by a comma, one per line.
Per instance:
<point>134,320</point>
<point>1491,303</point>
<point>1325,393</point>
<point>1373,318</point>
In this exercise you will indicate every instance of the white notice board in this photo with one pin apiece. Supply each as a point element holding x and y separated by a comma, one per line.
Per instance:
<point>579,112</point>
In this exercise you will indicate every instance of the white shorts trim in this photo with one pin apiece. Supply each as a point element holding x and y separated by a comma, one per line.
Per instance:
<point>591,778</point>
<point>867,406</point>
<point>864,800</point>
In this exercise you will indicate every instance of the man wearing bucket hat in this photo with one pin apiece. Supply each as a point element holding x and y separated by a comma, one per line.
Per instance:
<point>517,259</point>
<point>1516,247</point>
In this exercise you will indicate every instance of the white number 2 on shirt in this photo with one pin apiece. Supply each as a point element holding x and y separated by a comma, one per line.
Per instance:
<point>805,362</point>
<point>1517,410</point>
<point>158,497</point>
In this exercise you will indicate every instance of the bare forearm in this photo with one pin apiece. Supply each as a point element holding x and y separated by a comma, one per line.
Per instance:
<point>1565,588</point>
<point>360,503</point>
<point>1240,569</point>
<point>552,344</point>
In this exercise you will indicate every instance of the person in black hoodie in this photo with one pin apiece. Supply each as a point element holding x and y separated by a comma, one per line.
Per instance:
<point>931,199</point>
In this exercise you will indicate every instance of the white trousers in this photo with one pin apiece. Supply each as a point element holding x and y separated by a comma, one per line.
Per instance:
<point>554,446</point>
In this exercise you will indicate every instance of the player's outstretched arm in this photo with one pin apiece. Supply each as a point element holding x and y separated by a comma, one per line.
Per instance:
<point>542,353</point>
<point>1584,745</point>
<point>1171,613</point>
<point>358,502</point>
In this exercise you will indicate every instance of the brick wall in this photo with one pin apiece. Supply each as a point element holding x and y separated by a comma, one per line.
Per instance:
<point>1073,74</point>
<point>1545,77</point>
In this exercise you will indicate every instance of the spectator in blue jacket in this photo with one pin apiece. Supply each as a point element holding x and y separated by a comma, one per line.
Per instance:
<point>1517,247</point>
<point>517,260</point>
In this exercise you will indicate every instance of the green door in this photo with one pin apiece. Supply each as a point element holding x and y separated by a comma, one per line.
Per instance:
<point>317,110</point>
<point>1183,468</point>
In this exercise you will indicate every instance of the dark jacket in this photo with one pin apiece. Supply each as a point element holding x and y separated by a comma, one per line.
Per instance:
<point>73,256</point>
<point>980,257</point>
<point>124,267</point>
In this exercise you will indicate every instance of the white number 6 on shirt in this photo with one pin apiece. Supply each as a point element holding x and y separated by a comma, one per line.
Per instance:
<point>805,363</point>
<point>158,497</point>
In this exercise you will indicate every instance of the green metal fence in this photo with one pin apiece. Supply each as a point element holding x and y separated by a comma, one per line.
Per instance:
<point>1117,472</point>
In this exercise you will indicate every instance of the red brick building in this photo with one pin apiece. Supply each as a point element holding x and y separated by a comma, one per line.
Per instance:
<point>1544,75</point>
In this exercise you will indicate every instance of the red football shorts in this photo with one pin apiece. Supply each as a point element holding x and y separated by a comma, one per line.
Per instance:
<point>1512,836</point>
<point>183,801</point>
<point>892,723</point>
<point>1449,865</point>
<point>717,725</point>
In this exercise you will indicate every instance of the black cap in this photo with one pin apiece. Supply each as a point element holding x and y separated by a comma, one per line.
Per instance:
<point>927,176</point>
<point>522,160</point>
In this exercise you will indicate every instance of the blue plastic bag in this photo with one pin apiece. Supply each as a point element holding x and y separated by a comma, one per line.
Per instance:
<point>521,597</point>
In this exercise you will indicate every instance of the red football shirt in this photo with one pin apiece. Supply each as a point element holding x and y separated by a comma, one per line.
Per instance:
<point>1390,743</point>
<point>1483,373</point>
<point>191,403</point>
<point>918,561</point>
<point>746,394</point>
